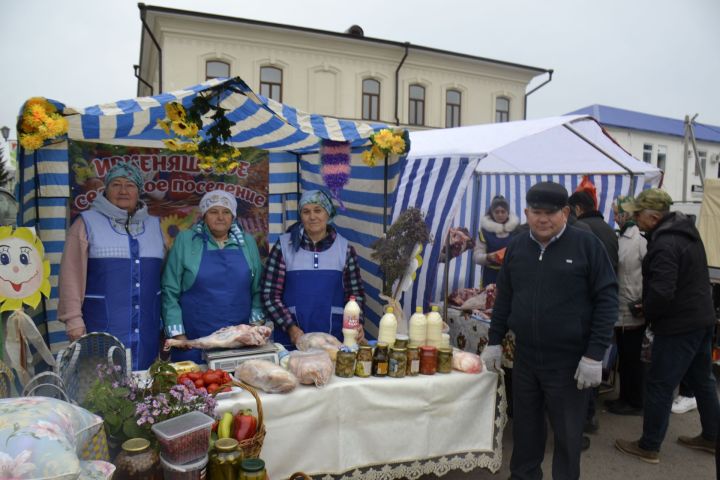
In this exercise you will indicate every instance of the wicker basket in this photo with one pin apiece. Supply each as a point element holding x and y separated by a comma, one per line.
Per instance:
<point>46,384</point>
<point>297,475</point>
<point>77,363</point>
<point>252,446</point>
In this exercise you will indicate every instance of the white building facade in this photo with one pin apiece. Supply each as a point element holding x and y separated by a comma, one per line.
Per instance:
<point>661,141</point>
<point>345,75</point>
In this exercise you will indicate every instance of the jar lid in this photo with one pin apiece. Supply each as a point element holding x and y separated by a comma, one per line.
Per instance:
<point>445,350</point>
<point>428,348</point>
<point>226,444</point>
<point>365,347</point>
<point>135,444</point>
<point>400,349</point>
<point>413,347</point>
<point>252,465</point>
<point>382,345</point>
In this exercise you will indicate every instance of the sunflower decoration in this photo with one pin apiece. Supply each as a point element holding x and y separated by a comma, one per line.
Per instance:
<point>24,272</point>
<point>386,142</point>
<point>214,152</point>
<point>40,121</point>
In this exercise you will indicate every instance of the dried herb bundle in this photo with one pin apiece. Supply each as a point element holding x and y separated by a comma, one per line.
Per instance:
<point>394,251</point>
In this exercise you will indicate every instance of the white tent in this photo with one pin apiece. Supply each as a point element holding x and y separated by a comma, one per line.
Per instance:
<point>453,174</point>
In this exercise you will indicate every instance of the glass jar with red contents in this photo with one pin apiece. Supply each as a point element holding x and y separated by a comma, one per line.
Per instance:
<point>428,360</point>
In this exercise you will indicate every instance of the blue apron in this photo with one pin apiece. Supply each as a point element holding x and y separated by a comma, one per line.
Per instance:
<point>314,291</point>
<point>220,297</point>
<point>494,243</point>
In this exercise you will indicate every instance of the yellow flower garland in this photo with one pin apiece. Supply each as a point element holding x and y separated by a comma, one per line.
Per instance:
<point>384,143</point>
<point>186,139</point>
<point>40,121</point>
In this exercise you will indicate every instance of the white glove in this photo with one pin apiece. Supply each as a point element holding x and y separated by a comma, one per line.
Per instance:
<point>492,357</point>
<point>588,373</point>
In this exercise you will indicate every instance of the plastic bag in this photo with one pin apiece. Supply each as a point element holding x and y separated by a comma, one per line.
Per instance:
<point>266,376</point>
<point>466,362</point>
<point>311,367</point>
<point>320,341</point>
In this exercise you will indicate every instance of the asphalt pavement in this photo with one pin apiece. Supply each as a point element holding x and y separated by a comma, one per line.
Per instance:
<point>603,461</point>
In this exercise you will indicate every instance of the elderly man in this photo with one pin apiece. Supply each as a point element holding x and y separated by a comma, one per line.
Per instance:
<point>678,306</point>
<point>557,291</point>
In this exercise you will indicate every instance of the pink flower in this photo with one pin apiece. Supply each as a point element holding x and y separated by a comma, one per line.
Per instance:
<point>15,468</point>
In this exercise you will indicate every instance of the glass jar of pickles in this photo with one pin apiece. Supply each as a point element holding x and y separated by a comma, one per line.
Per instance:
<point>137,461</point>
<point>363,363</point>
<point>444,362</point>
<point>381,360</point>
<point>345,363</point>
<point>225,460</point>
<point>398,363</point>
<point>252,469</point>
<point>413,361</point>
<point>428,360</point>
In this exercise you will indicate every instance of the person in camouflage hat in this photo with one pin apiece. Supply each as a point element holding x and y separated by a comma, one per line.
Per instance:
<point>678,308</point>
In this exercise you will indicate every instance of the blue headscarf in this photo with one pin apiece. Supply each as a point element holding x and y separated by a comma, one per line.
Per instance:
<point>310,196</point>
<point>126,170</point>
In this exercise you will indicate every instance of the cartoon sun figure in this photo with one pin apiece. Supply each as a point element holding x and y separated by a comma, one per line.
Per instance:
<point>173,224</point>
<point>23,271</point>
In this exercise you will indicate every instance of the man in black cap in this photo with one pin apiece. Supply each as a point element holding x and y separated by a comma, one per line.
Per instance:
<point>558,293</point>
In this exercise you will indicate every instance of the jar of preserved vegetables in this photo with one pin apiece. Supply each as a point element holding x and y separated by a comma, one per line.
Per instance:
<point>428,360</point>
<point>363,365</point>
<point>345,363</point>
<point>398,362</point>
<point>381,360</point>
<point>137,461</point>
<point>444,363</point>
<point>252,469</point>
<point>413,361</point>
<point>225,460</point>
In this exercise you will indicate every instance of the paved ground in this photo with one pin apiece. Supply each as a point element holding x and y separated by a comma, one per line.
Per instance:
<point>603,461</point>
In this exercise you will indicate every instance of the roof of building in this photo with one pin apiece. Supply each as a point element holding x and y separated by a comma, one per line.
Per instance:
<point>618,117</point>
<point>354,33</point>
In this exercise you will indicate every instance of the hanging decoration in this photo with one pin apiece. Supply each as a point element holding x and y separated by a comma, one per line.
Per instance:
<point>335,170</point>
<point>40,121</point>
<point>384,143</point>
<point>185,125</point>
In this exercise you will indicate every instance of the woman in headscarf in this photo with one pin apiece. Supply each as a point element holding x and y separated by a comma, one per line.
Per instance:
<point>110,269</point>
<point>496,228</point>
<point>310,274</point>
<point>629,329</point>
<point>212,276</point>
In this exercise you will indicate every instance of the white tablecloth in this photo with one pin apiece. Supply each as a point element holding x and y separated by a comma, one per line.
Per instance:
<point>382,427</point>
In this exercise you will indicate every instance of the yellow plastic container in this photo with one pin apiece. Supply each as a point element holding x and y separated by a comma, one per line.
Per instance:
<point>185,366</point>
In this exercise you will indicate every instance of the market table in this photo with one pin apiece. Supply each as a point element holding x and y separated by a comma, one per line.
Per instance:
<point>382,427</point>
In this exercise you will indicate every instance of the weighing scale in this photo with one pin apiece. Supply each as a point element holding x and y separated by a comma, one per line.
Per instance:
<point>229,359</point>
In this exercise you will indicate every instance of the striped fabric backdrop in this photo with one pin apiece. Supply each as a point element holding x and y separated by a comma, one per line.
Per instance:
<point>475,201</point>
<point>287,133</point>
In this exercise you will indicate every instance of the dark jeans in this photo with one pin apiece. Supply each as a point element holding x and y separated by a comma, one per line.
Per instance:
<point>687,355</point>
<point>685,389</point>
<point>630,368</point>
<point>535,393</point>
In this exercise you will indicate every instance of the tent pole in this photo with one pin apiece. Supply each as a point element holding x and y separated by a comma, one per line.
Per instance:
<point>385,195</point>
<point>446,275</point>
<point>297,175</point>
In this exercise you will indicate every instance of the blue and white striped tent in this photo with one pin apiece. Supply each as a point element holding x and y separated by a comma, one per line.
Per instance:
<point>291,136</point>
<point>453,174</point>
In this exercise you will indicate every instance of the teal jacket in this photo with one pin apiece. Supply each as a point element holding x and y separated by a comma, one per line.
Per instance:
<point>183,264</point>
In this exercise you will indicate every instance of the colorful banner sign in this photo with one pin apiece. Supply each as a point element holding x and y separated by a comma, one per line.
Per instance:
<point>174,185</point>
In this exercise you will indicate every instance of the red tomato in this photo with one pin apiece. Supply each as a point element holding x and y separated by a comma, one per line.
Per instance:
<point>226,389</point>
<point>211,377</point>
<point>199,383</point>
<point>194,375</point>
<point>181,379</point>
<point>212,387</point>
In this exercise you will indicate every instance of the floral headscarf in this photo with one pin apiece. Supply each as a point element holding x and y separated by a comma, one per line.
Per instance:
<point>319,197</point>
<point>126,170</point>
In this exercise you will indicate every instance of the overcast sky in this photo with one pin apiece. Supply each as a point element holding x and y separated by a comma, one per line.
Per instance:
<point>654,56</point>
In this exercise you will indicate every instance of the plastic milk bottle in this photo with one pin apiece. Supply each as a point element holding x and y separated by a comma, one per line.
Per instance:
<point>388,327</point>
<point>418,327</point>
<point>351,321</point>
<point>434,327</point>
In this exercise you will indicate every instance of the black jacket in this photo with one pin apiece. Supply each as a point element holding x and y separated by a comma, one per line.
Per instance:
<point>604,232</point>
<point>676,283</point>
<point>561,303</point>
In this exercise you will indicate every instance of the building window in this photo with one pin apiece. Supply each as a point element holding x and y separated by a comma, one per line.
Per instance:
<point>661,157</point>
<point>502,109</point>
<point>416,115</point>
<point>271,83</point>
<point>452,108</point>
<point>647,152</point>
<point>703,161</point>
<point>370,99</point>
<point>216,68</point>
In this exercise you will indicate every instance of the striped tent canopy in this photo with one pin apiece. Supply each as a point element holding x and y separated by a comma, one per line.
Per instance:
<point>291,136</point>
<point>453,174</point>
